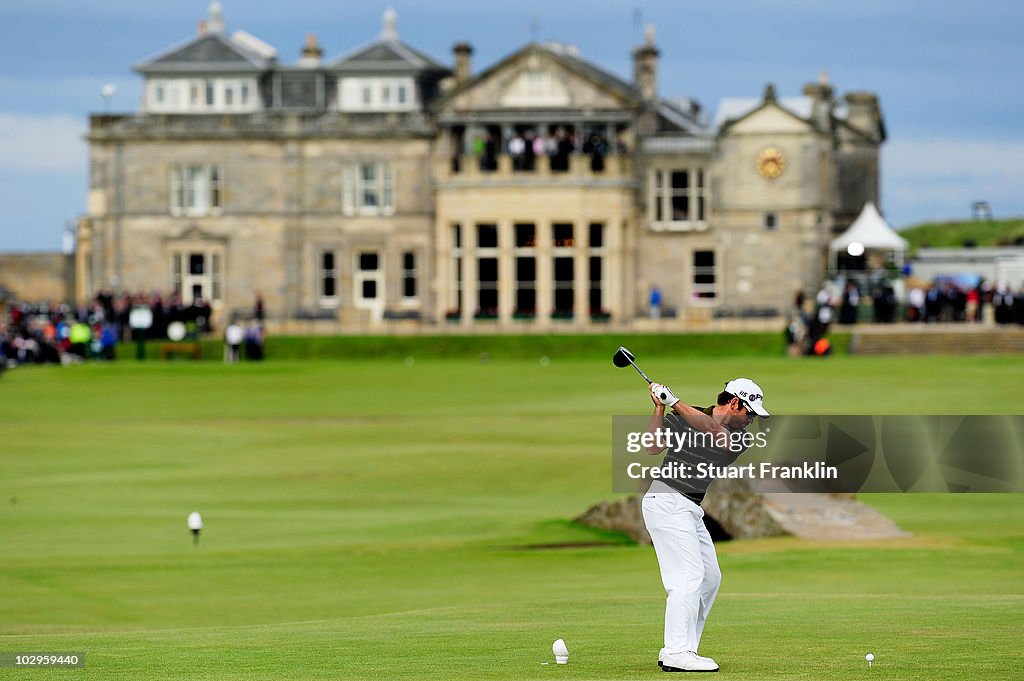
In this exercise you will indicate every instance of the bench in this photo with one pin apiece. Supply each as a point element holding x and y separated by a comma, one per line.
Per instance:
<point>168,350</point>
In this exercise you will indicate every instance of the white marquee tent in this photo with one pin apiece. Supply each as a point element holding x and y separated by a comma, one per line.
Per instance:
<point>871,232</point>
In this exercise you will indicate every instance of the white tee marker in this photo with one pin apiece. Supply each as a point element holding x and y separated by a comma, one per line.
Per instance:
<point>195,524</point>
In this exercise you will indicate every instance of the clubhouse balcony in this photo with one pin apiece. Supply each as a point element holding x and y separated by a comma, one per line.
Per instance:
<point>506,169</point>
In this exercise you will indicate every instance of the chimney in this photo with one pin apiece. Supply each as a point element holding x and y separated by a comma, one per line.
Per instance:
<point>821,94</point>
<point>864,114</point>
<point>645,66</point>
<point>463,52</point>
<point>312,53</point>
<point>202,27</point>
<point>216,22</point>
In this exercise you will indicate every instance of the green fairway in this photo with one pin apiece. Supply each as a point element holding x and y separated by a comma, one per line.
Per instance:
<point>369,519</point>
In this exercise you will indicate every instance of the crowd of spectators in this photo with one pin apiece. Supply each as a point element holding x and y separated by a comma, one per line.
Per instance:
<point>947,301</point>
<point>807,324</point>
<point>63,333</point>
<point>943,301</point>
<point>528,146</point>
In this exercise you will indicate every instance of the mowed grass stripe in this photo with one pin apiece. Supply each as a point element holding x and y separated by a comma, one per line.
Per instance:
<point>759,639</point>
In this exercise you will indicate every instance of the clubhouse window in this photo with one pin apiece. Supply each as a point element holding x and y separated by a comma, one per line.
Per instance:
<point>454,302</point>
<point>368,189</point>
<point>195,189</point>
<point>704,275</point>
<point>526,270</point>
<point>327,278</point>
<point>487,270</point>
<point>678,199</point>
<point>563,269</point>
<point>410,293</point>
<point>596,268</point>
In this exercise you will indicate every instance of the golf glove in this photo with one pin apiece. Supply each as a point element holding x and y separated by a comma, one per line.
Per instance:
<point>664,394</point>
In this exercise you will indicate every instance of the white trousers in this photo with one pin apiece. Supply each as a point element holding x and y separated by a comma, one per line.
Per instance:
<point>688,562</point>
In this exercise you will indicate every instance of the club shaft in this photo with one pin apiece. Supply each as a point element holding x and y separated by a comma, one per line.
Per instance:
<point>640,371</point>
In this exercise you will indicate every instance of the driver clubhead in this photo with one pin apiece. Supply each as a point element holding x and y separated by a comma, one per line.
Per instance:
<point>623,357</point>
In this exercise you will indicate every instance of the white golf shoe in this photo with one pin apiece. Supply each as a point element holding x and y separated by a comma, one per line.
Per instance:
<point>686,662</point>
<point>661,657</point>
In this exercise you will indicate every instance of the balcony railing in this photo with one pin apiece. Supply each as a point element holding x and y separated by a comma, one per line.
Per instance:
<point>504,168</point>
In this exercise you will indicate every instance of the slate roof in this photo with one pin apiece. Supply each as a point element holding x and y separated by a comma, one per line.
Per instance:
<point>386,55</point>
<point>211,51</point>
<point>681,120</point>
<point>592,71</point>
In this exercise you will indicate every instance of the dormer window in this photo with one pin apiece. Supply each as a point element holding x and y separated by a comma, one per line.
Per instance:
<point>376,94</point>
<point>208,95</point>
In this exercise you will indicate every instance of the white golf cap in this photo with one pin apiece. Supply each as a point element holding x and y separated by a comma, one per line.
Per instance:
<point>749,392</point>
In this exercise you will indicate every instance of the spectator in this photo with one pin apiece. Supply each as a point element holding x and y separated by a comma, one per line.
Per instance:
<point>985,313</point>
<point>796,327</point>
<point>540,146</point>
<point>478,147</point>
<point>562,149</point>
<point>597,148</point>
<point>971,309</point>
<point>233,337</point>
<point>823,314</point>
<point>489,159</point>
<point>259,309</point>
<point>108,341</point>
<point>655,305</point>
<point>1002,302</point>
<point>884,297</point>
<point>254,341</point>
<point>915,305</point>
<point>850,308</point>
<point>80,337</point>
<point>530,151</point>
<point>932,304</point>
<point>517,150</point>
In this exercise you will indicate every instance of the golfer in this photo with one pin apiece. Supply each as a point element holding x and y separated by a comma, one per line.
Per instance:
<point>675,520</point>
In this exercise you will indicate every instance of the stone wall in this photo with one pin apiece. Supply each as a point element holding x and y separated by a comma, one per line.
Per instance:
<point>743,513</point>
<point>38,277</point>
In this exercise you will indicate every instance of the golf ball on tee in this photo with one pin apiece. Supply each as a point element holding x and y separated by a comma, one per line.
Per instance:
<point>869,657</point>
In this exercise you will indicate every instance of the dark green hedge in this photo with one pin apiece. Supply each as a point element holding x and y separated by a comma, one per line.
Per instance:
<point>501,347</point>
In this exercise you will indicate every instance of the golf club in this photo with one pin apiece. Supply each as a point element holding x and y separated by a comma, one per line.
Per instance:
<point>623,358</point>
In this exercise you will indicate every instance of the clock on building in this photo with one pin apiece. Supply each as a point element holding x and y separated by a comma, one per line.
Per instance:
<point>770,163</point>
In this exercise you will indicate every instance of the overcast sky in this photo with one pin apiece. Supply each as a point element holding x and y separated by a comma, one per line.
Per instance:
<point>947,73</point>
